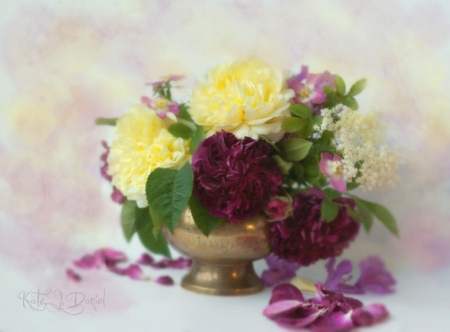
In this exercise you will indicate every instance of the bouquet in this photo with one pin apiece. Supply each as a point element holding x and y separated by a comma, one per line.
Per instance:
<point>252,140</point>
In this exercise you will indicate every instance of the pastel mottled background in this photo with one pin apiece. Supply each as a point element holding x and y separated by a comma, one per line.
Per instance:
<point>64,64</point>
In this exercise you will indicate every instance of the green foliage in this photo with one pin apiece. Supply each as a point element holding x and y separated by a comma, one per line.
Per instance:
<point>181,130</point>
<point>301,110</point>
<point>366,217</point>
<point>350,102</point>
<point>382,214</point>
<point>329,210</point>
<point>204,221</point>
<point>330,92</point>
<point>340,85</point>
<point>168,193</point>
<point>357,88</point>
<point>283,166</point>
<point>294,149</point>
<point>106,121</point>
<point>197,138</point>
<point>331,193</point>
<point>317,120</point>
<point>291,125</point>
<point>127,219</point>
<point>183,113</point>
<point>144,227</point>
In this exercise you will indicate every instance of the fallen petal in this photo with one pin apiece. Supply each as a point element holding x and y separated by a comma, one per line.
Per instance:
<point>279,307</point>
<point>89,262</point>
<point>72,275</point>
<point>335,322</point>
<point>374,277</point>
<point>164,280</point>
<point>145,259</point>
<point>111,256</point>
<point>369,315</point>
<point>179,263</point>
<point>286,292</point>
<point>135,272</point>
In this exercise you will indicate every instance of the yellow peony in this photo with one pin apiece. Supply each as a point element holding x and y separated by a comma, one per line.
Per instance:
<point>142,145</point>
<point>247,98</point>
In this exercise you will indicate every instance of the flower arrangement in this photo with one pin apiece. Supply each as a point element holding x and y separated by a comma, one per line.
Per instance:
<point>252,141</point>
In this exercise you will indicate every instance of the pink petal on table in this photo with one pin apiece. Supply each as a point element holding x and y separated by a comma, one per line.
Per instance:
<point>369,314</point>
<point>89,262</point>
<point>135,272</point>
<point>164,280</point>
<point>276,308</point>
<point>335,322</point>
<point>72,275</point>
<point>111,256</point>
<point>145,259</point>
<point>179,263</point>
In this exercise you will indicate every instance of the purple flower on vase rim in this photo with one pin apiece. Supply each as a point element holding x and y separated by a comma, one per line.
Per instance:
<point>333,167</point>
<point>161,106</point>
<point>234,178</point>
<point>326,311</point>
<point>374,277</point>
<point>116,195</point>
<point>308,88</point>
<point>279,271</point>
<point>304,238</point>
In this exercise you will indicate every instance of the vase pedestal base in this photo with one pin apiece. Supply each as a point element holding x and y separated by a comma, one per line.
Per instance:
<point>222,279</point>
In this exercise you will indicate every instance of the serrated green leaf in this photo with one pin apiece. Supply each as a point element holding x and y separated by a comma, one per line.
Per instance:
<point>294,149</point>
<point>329,210</point>
<point>350,102</point>
<point>183,113</point>
<point>366,216</point>
<point>331,193</point>
<point>291,125</point>
<point>357,88</point>
<point>283,166</point>
<point>168,193</point>
<point>204,221</point>
<point>197,138</point>
<point>106,121</point>
<point>340,85</point>
<point>301,110</point>
<point>144,227</point>
<point>157,222</point>
<point>330,92</point>
<point>181,130</point>
<point>382,214</point>
<point>127,219</point>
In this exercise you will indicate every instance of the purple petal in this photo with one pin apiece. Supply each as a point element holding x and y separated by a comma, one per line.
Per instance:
<point>72,275</point>
<point>179,263</point>
<point>282,306</point>
<point>338,183</point>
<point>104,168</point>
<point>336,322</point>
<point>335,277</point>
<point>111,256</point>
<point>90,262</point>
<point>174,108</point>
<point>145,259</point>
<point>279,270</point>
<point>117,196</point>
<point>369,315</point>
<point>286,292</point>
<point>135,272</point>
<point>374,277</point>
<point>317,96</point>
<point>164,280</point>
<point>303,74</point>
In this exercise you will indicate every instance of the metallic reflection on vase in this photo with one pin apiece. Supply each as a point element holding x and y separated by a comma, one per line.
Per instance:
<point>222,262</point>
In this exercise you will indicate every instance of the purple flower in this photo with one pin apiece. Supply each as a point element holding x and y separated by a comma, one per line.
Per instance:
<point>234,178</point>
<point>308,88</point>
<point>305,238</point>
<point>72,275</point>
<point>333,167</point>
<point>279,208</point>
<point>165,80</point>
<point>116,195</point>
<point>374,277</point>
<point>161,106</point>
<point>279,271</point>
<point>327,311</point>
<point>164,280</point>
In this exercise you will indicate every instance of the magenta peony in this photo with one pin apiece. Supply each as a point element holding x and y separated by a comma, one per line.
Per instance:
<point>234,178</point>
<point>305,238</point>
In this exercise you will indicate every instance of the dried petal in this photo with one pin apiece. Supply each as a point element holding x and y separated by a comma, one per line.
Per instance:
<point>145,259</point>
<point>279,270</point>
<point>72,275</point>
<point>164,280</point>
<point>374,277</point>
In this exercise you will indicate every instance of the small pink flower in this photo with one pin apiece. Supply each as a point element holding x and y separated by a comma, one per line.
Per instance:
<point>161,105</point>
<point>279,208</point>
<point>164,280</point>
<point>332,166</point>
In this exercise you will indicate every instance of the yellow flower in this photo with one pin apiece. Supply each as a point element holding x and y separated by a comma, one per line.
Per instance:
<point>142,145</point>
<point>247,98</point>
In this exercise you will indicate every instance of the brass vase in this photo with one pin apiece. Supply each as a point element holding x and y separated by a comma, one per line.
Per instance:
<point>222,262</point>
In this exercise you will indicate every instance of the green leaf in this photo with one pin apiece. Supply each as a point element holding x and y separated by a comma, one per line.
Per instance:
<point>181,130</point>
<point>322,147</point>
<point>330,92</point>
<point>291,125</point>
<point>307,130</point>
<point>317,120</point>
<point>340,85</point>
<point>106,121</point>
<point>168,193</point>
<point>350,102</point>
<point>294,149</point>
<point>382,214</point>
<point>301,110</point>
<point>199,135</point>
<point>357,88</point>
<point>272,143</point>
<point>298,171</point>
<point>204,221</point>
<point>352,185</point>
<point>144,227</point>
<point>157,222</point>
<point>329,210</point>
<point>331,193</point>
<point>183,113</point>
<point>283,166</point>
<point>366,216</point>
<point>127,219</point>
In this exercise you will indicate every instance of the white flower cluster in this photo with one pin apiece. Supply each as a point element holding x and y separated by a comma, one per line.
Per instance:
<point>357,136</point>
